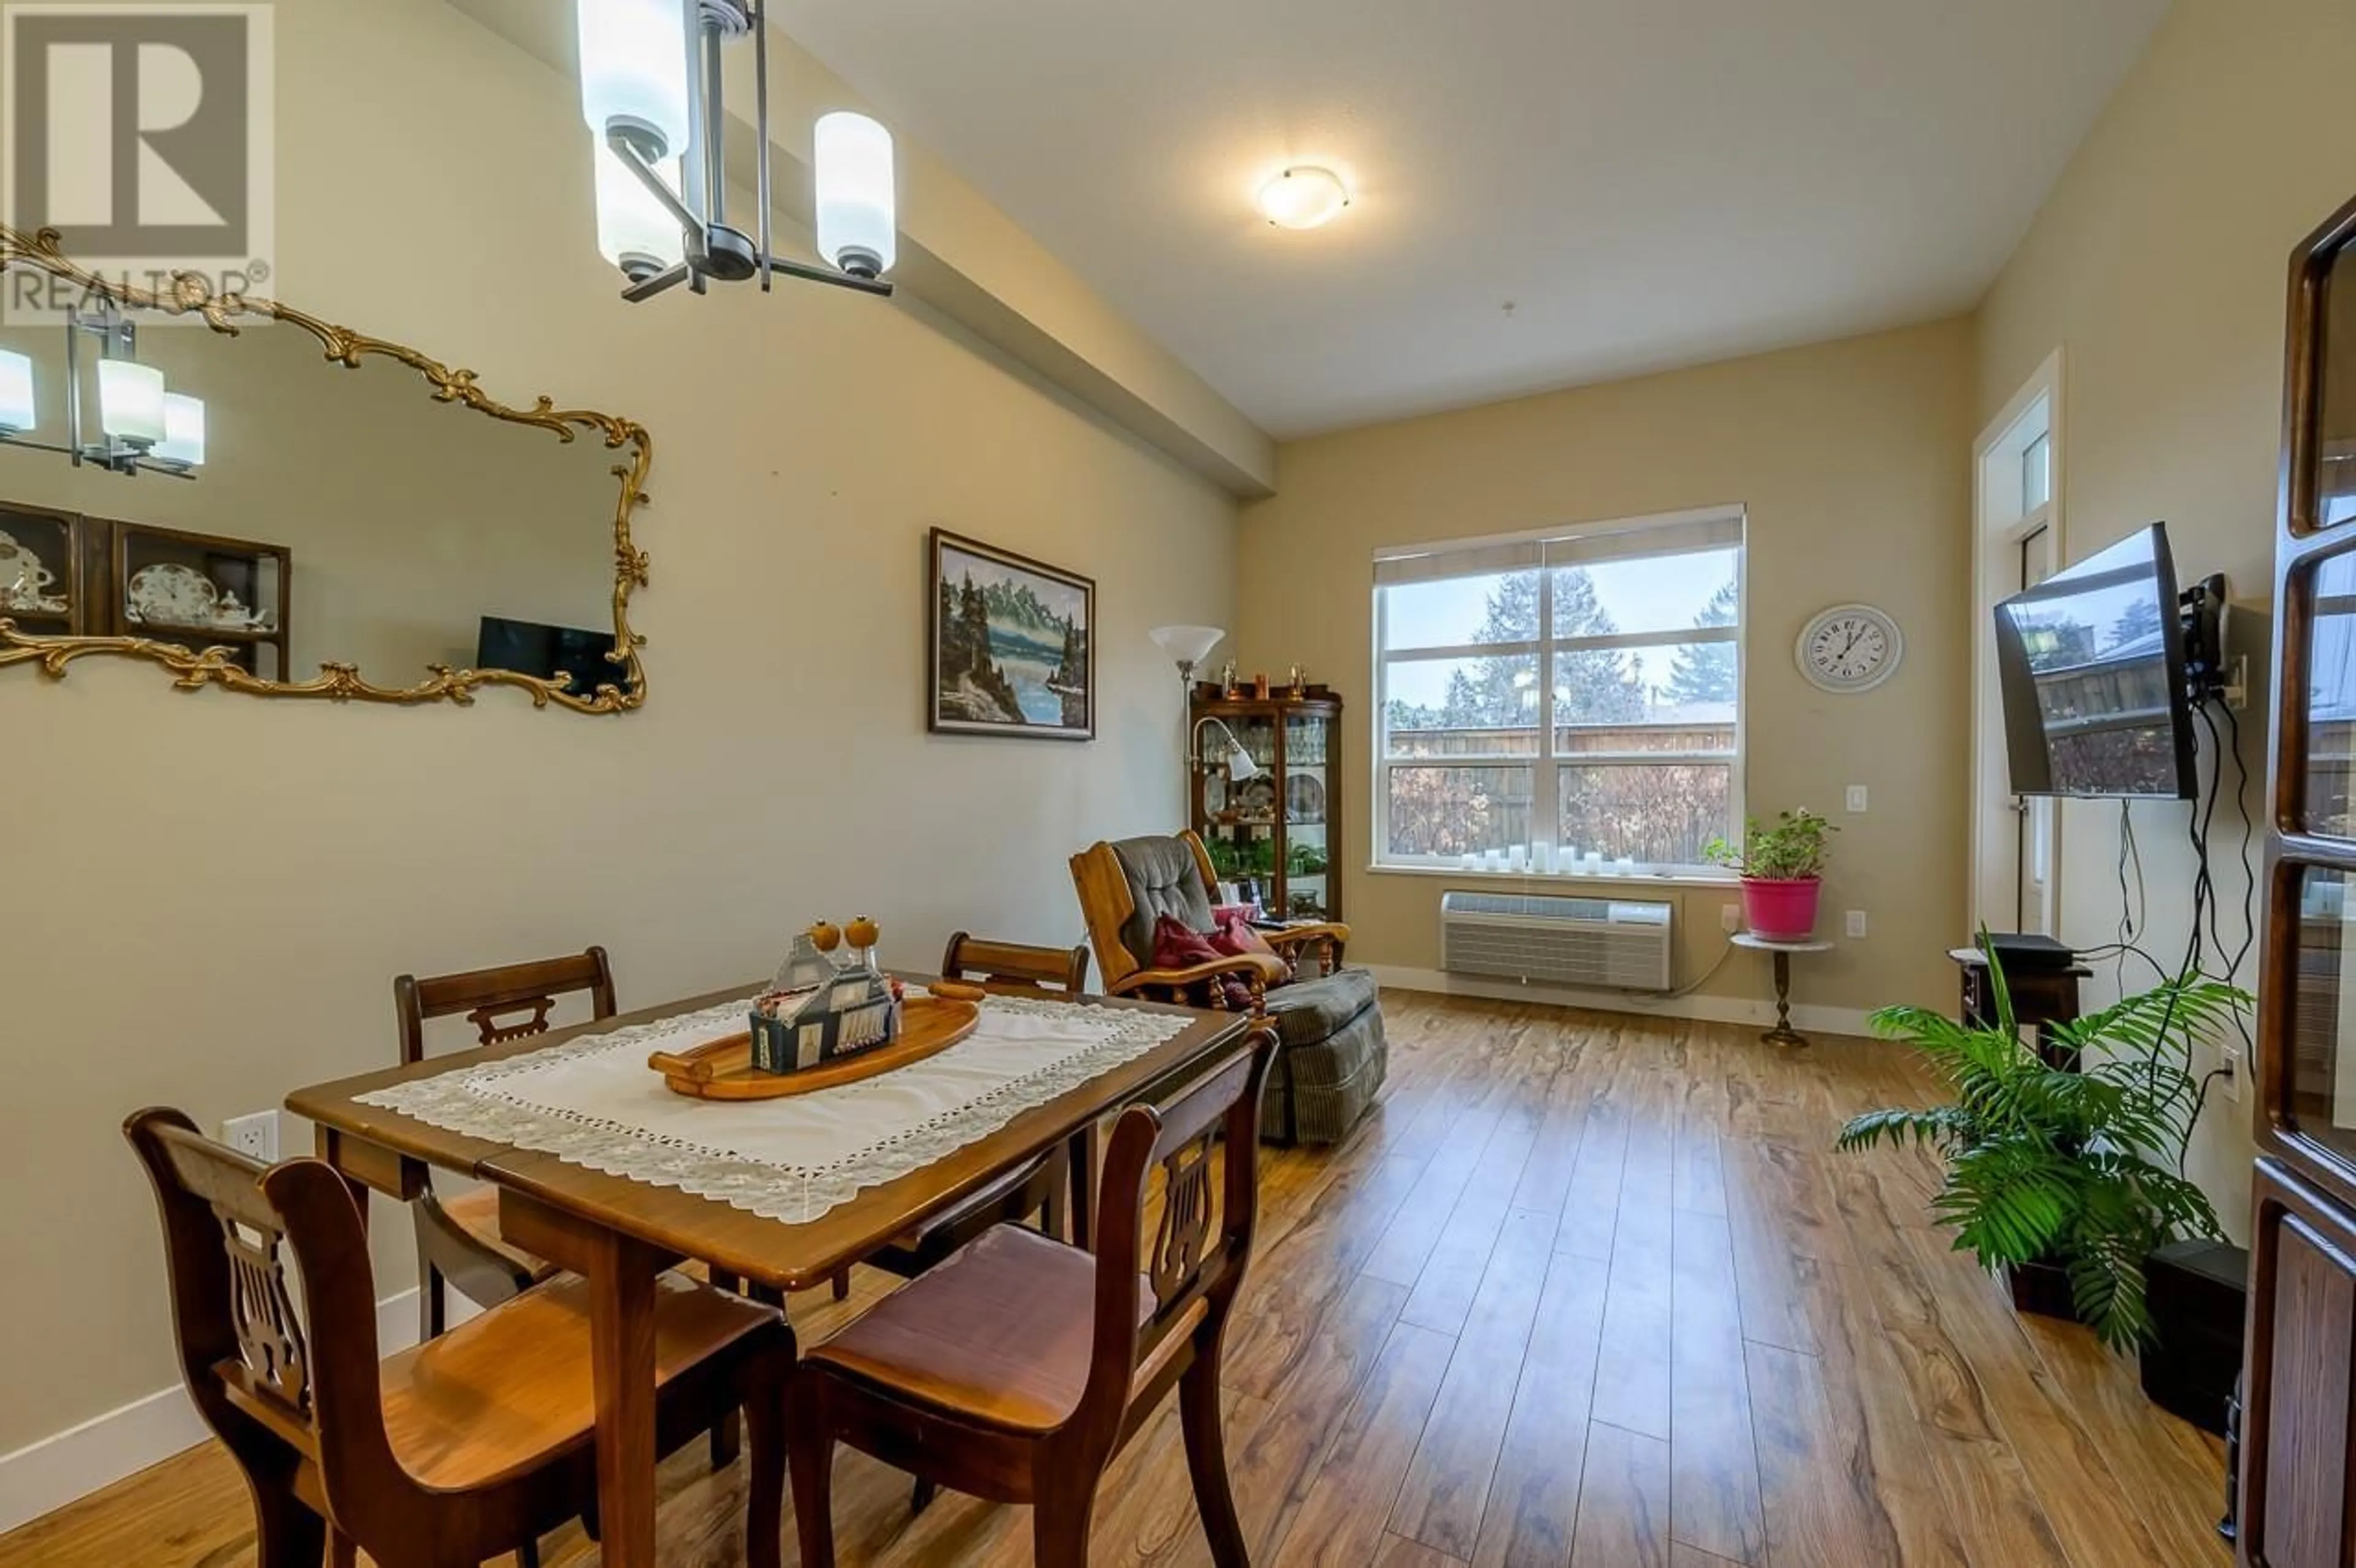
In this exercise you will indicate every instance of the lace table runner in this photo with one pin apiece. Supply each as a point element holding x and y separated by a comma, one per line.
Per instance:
<point>593,1102</point>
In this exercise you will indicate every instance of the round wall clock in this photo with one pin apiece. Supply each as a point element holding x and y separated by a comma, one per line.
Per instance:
<point>1850,647</point>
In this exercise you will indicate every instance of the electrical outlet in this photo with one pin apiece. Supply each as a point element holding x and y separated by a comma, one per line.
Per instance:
<point>2233,682</point>
<point>1729,917</point>
<point>1857,799</point>
<point>255,1137</point>
<point>1857,922</point>
<point>2230,1061</point>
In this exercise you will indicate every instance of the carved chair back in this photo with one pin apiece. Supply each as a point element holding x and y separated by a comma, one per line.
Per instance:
<point>510,1002</point>
<point>1192,1257</point>
<point>1014,969</point>
<point>268,1376</point>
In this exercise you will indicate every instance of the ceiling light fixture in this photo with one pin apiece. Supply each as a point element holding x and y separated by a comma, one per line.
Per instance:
<point>1303,196</point>
<point>183,446</point>
<point>17,408</point>
<point>651,93</point>
<point>141,428</point>
<point>131,403</point>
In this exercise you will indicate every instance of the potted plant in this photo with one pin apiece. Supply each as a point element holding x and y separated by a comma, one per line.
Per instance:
<point>1783,870</point>
<point>2066,1173</point>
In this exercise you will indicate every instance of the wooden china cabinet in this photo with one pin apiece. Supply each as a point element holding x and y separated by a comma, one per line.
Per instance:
<point>1282,826</point>
<point>64,574</point>
<point>2299,1404</point>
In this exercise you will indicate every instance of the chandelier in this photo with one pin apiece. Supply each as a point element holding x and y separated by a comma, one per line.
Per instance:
<point>651,93</point>
<point>131,425</point>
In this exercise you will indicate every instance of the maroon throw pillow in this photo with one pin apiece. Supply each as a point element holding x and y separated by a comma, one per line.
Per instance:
<point>1237,936</point>
<point>1177,945</point>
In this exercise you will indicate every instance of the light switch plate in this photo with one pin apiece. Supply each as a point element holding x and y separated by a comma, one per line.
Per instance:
<point>255,1136</point>
<point>1857,922</point>
<point>1857,799</point>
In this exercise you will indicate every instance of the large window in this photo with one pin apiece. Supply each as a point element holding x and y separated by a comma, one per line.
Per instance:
<point>1566,700</point>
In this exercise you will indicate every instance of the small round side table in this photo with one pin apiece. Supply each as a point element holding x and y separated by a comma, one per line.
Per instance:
<point>1782,1033</point>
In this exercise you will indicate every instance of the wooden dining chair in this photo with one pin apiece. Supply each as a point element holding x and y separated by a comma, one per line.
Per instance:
<point>1018,1368</point>
<point>459,1246</point>
<point>458,1242</point>
<point>1033,1192</point>
<point>464,1447</point>
<point>1016,970</point>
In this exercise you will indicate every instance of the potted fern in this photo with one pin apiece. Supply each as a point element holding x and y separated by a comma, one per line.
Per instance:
<point>1782,871</point>
<point>2067,1175</point>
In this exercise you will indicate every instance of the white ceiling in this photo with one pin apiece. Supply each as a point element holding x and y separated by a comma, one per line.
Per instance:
<point>1650,183</point>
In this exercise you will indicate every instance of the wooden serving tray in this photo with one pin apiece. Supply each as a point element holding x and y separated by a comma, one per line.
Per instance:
<point>724,1071</point>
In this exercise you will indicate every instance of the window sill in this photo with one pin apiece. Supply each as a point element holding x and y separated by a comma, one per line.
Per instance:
<point>1555,879</point>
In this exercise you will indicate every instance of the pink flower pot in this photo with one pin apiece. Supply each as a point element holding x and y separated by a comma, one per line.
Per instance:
<point>1779,910</point>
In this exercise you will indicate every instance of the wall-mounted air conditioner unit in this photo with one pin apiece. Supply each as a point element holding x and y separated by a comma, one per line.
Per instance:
<point>1614,944</point>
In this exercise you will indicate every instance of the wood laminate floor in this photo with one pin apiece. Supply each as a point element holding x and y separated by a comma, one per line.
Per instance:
<point>1586,1290</point>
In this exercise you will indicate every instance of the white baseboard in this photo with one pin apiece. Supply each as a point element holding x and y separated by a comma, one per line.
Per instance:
<point>45,1476</point>
<point>1805,1017</point>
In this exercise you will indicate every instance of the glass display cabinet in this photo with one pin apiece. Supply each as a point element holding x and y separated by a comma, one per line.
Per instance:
<point>1272,826</point>
<point>2298,1400</point>
<point>201,591</point>
<point>41,572</point>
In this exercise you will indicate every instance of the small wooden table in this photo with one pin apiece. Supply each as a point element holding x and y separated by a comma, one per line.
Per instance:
<point>618,1234</point>
<point>1782,1033</point>
<point>2042,997</point>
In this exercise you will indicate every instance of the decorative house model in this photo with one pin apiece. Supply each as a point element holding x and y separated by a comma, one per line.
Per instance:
<point>821,1009</point>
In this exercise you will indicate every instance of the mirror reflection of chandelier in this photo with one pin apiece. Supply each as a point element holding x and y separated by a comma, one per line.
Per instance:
<point>651,93</point>
<point>142,427</point>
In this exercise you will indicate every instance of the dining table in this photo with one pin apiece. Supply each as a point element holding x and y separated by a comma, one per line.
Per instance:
<point>616,1178</point>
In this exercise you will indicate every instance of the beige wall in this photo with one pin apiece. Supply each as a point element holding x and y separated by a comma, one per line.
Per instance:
<point>2157,269</point>
<point>211,892</point>
<point>1852,461</point>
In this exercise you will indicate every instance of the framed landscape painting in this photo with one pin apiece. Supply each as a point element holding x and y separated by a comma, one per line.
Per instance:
<point>1012,644</point>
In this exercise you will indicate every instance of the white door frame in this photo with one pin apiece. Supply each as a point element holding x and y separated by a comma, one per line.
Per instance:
<point>1998,527</point>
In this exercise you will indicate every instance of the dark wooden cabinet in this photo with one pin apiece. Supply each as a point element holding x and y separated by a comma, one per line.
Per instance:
<point>1281,827</point>
<point>2299,1402</point>
<point>64,574</point>
<point>42,581</point>
<point>2296,1408</point>
<point>261,577</point>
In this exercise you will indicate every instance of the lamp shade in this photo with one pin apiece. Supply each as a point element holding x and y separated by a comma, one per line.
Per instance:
<point>1188,644</point>
<point>130,402</point>
<point>15,392</point>
<point>635,230</point>
<point>857,230</point>
<point>183,431</point>
<point>1240,765</point>
<point>634,70</point>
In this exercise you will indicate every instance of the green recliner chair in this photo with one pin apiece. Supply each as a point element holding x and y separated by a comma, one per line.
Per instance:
<point>1330,1057</point>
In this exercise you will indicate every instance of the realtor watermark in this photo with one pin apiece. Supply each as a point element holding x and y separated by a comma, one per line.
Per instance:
<point>142,135</point>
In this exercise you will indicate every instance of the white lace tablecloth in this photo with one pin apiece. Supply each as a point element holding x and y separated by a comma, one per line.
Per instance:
<point>593,1102</point>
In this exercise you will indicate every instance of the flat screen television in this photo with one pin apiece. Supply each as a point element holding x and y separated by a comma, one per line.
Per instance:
<point>2092,665</point>
<point>528,647</point>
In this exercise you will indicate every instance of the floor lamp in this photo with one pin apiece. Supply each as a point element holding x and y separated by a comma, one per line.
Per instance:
<point>1188,647</point>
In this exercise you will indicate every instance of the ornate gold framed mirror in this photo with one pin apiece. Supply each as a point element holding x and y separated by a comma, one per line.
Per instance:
<point>178,485</point>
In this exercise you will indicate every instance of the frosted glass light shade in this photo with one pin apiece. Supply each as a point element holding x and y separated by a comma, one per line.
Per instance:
<point>1188,644</point>
<point>183,431</point>
<point>1303,196</point>
<point>15,392</point>
<point>634,69</point>
<point>858,227</point>
<point>634,229</point>
<point>130,402</point>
